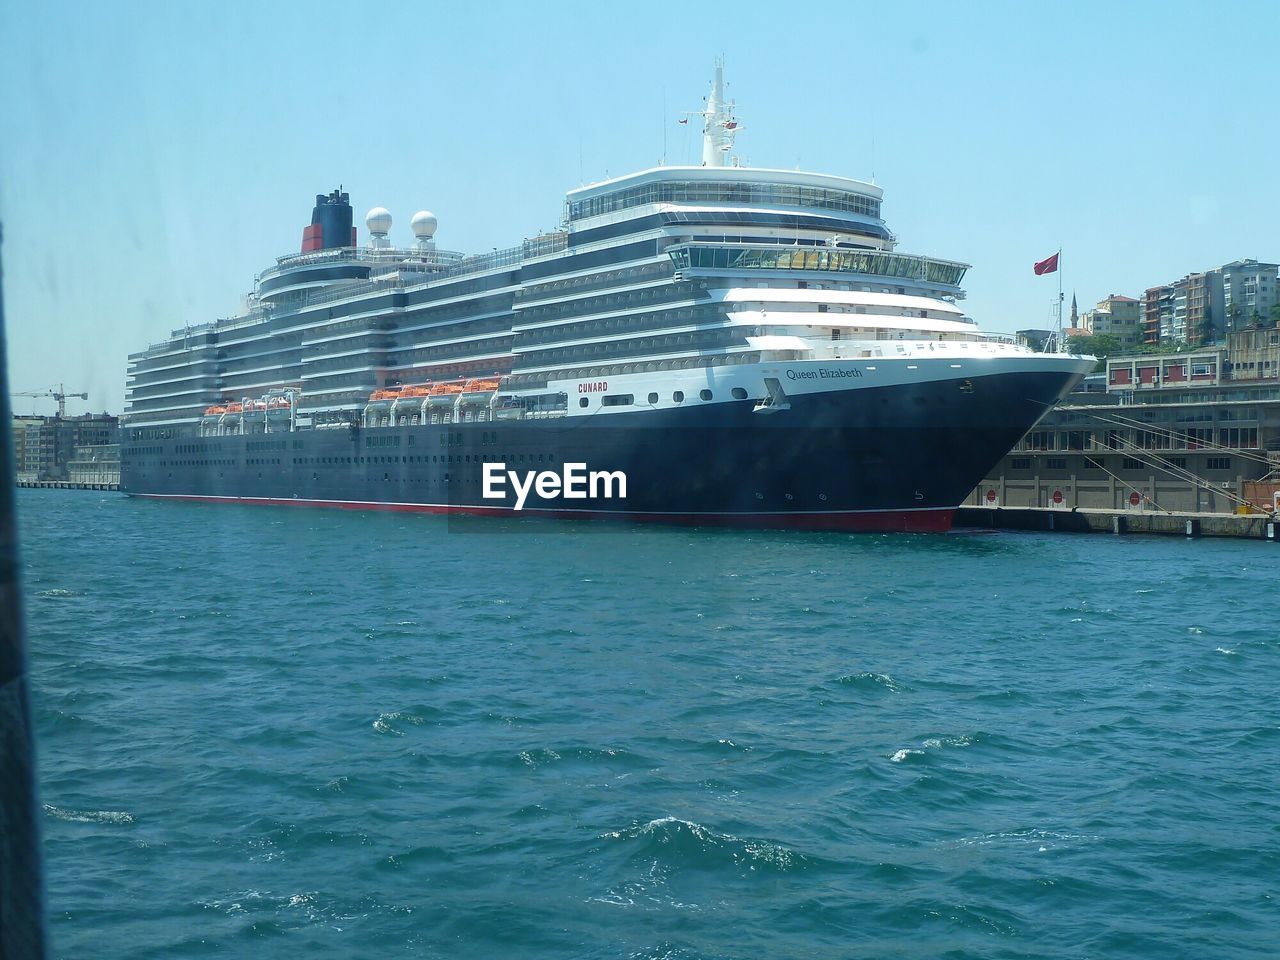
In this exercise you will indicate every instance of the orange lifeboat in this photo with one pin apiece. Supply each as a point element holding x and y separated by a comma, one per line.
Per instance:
<point>416,390</point>
<point>485,385</point>
<point>387,393</point>
<point>446,389</point>
<point>235,408</point>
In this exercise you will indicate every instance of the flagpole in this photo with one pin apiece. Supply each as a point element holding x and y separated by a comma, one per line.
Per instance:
<point>1062,342</point>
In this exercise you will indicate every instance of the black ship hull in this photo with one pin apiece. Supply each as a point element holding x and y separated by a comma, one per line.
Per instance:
<point>868,458</point>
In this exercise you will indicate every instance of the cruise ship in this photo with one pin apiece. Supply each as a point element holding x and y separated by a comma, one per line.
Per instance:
<point>714,344</point>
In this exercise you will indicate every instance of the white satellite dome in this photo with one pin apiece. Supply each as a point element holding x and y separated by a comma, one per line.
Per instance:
<point>378,220</point>
<point>424,224</point>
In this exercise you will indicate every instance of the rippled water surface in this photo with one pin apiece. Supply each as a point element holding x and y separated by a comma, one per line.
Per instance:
<point>296,733</point>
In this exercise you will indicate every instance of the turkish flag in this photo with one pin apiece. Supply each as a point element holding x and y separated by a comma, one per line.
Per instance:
<point>1047,266</point>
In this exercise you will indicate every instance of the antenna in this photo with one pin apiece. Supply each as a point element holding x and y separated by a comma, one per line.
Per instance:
<point>664,127</point>
<point>718,124</point>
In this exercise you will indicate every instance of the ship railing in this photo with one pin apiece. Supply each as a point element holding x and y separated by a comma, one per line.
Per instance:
<point>853,349</point>
<point>449,260</point>
<point>451,265</point>
<point>362,255</point>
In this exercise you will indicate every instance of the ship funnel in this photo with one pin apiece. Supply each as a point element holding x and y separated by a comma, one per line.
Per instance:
<point>330,223</point>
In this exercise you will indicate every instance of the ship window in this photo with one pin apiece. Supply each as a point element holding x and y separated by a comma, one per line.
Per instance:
<point>739,393</point>
<point>704,394</point>
<point>653,398</point>
<point>678,396</point>
<point>618,400</point>
<point>583,401</point>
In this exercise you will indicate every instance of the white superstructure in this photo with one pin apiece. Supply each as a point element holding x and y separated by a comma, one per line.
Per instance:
<point>671,274</point>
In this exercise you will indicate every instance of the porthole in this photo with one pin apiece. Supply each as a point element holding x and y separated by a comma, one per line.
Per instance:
<point>704,394</point>
<point>653,398</point>
<point>739,393</point>
<point>678,396</point>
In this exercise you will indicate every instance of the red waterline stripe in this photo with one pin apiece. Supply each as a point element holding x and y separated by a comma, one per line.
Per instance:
<point>924,520</point>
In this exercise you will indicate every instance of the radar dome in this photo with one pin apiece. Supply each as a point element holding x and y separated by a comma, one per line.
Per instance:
<point>424,224</point>
<point>378,220</point>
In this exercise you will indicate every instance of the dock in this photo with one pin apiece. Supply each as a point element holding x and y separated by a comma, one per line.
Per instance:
<point>1253,526</point>
<point>68,485</point>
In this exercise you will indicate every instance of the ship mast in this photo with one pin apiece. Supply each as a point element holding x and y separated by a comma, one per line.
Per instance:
<point>718,125</point>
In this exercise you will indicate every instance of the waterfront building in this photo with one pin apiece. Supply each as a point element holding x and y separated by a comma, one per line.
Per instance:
<point>1157,314</point>
<point>1198,307</point>
<point>95,463</point>
<point>1203,307</point>
<point>1188,311</point>
<point>1196,431</point>
<point>22,450</point>
<point>44,446</point>
<point>1116,316</point>
<point>1191,431</point>
<point>1249,292</point>
<point>1254,354</point>
<point>1200,367</point>
<point>1198,447</point>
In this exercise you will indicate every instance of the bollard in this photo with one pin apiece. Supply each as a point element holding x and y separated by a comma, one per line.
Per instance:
<point>1117,525</point>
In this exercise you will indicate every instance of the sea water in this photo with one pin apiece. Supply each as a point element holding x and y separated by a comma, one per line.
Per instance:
<point>276,732</point>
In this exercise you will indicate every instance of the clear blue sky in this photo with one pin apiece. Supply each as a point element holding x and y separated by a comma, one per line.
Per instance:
<point>153,157</point>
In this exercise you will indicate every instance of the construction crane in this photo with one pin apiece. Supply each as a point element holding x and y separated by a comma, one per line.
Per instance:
<point>60,395</point>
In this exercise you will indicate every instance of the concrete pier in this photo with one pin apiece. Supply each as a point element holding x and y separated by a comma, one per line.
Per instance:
<point>1254,526</point>
<point>68,485</point>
